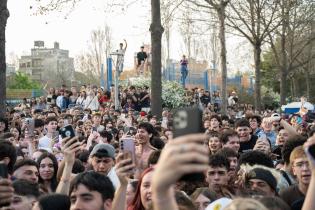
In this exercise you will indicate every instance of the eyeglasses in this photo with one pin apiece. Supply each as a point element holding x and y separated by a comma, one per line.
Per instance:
<point>301,164</point>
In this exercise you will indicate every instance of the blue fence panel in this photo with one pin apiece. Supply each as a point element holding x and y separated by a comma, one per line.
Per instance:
<point>109,73</point>
<point>172,73</point>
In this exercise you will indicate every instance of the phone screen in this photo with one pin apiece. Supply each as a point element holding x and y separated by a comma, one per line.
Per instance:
<point>30,126</point>
<point>311,150</point>
<point>67,131</point>
<point>127,147</point>
<point>188,121</point>
<point>3,171</point>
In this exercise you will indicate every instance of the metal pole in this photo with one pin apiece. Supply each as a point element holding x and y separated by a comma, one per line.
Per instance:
<point>116,86</point>
<point>102,76</point>
<point>117,72</point>
<point>109,73</point>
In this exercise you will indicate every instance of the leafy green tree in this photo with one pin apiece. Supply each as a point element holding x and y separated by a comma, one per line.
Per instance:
<point>269,72</point>
<point>22,81</point>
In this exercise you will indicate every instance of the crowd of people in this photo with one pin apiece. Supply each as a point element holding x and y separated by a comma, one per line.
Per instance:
<point>241,160</point>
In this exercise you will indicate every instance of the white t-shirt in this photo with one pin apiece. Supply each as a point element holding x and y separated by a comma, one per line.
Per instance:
<point>114,178</point>
<point>44,143</point>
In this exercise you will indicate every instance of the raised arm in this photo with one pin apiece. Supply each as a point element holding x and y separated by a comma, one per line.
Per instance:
<point>69,148</point>
<point>126,45</point>
<point>175,161</point>
<point>123,171</point>
<point>309,202</point>
<point>288,127</point>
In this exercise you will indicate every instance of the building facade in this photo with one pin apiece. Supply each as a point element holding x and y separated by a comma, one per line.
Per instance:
<point>48,64</point>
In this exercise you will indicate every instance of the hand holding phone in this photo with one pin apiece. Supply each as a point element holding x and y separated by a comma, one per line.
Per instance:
<point>5,186</point>
<point>309,148</point>
<point>3,171</point>
<point>127,148</point>
<point>124,169</point>
<point>188,121</point>
<point>30,126</point>
<point>69,147</point>
<point>175,161</point>
<point>67,131</point>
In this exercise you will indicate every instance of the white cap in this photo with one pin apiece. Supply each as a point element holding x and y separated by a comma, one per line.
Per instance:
<point>219,204</point>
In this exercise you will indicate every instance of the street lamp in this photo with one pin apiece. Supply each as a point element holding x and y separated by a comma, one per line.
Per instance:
<point>119,64</point>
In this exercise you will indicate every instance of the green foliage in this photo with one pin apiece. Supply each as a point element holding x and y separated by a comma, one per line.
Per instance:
<point>269,72</point>
<point>173,94</point>
<point>22,81</point>
<point>270,98</point>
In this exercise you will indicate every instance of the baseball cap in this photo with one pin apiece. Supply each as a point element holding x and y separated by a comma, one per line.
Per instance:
<point>219,204</point>
<point>103,150</point>
<point>275,115</point>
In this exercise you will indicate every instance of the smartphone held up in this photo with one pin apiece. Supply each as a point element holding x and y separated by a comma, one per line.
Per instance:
<point>188,121</point>
<point>67,131</point>
<point>127,147</point>
<point>30,126</point>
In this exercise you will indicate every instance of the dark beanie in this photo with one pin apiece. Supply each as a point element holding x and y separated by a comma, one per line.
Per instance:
<point>263,174</point>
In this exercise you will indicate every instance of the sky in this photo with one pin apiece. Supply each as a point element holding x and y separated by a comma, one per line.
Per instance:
<point>73,33</point>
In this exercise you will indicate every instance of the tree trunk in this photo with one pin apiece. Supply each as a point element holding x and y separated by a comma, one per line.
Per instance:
<point>221,16</point>
<point>283,85</point>
<point>4,14</point>
<point>168,43</point>
<point>257,54</point>
<point>294,94</point>
<point>284,57</point>
<point>292,87</point>
<point>308,85</point>
<point>156,30</point>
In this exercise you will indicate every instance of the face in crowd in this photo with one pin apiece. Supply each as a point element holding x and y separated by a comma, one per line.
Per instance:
<point>243,133</point>
<point>143,136</point>
<point>233,143</point>
<point>52,126</point>
<point>282,137</point>
<point>97,120</point>
<point>145,190</point>
<point>253,123</point>
<point>102,164</point>
<point>202,202</point>
<point>266,124</point>
<point>301,170</point>
<point>84,199</point>
<point>214,144</point>
<point>214,123</point>
<point>217,177</point>
<point>46,169</point>
<point>27,172</point>
<point>261,186</point>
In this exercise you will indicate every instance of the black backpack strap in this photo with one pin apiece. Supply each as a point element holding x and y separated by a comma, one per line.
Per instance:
<point>287,178</point>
